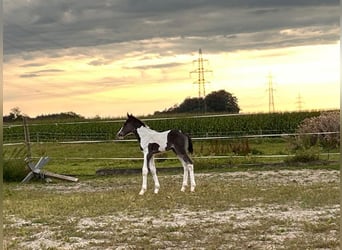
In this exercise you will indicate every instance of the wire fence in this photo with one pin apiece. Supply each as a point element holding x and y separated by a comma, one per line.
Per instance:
<point>197,126</point>
<point>77,137</point>
<point>207,138</point>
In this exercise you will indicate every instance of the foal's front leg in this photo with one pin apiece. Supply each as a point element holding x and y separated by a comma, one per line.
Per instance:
<point>154,175</point>
<point>144,175</point>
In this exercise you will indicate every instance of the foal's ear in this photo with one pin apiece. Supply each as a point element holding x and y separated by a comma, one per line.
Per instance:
<point>128,115</point>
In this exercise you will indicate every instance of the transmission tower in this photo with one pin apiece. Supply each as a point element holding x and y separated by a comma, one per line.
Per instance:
<point>200,71</point>
<point>270,93</point>
<point>299,102</point>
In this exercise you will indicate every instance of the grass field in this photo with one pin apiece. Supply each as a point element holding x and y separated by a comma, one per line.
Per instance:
<point>275,209</point>
<point>84,159</point>
<point>241,202</point>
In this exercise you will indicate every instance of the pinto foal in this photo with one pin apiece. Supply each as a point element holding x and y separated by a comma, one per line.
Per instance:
<point>153,142</point>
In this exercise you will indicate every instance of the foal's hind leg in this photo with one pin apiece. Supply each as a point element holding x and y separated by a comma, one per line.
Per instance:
<point>185,174</point>
<point>192,177</point>
<point>188,167</point>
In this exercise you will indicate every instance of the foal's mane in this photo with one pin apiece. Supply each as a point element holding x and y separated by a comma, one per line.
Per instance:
<point>137,123</point>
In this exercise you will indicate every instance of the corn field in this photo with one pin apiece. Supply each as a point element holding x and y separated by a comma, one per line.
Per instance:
<point>200,126</point>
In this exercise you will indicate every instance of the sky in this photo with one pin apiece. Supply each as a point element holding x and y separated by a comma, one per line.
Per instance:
<point>109,57</point>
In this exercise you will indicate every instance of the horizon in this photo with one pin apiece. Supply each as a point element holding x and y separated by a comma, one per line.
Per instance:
<point>175,115</point>
<point>137,57</point>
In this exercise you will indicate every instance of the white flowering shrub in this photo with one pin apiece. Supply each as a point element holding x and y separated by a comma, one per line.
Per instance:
<point>323,130</point>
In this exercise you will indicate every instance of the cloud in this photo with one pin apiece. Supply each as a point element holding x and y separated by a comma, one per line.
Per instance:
<point>39,73</point>
<point>29,65</point>
<point>45,25</point>
<point>29,75</point>
<point>108,49</point>
<point>156,66</point>
<point>99,62</point>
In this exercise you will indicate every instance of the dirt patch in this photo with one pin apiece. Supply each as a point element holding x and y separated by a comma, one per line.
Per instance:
<point>284,223</point>
<point>306,176</point>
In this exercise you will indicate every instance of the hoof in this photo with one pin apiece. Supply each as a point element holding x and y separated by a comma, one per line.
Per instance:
<point>142,192</point>
<point>183,189</point>
<point>156,191</point>
<point>192,189</point>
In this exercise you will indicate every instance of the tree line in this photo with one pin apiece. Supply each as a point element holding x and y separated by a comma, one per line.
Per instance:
<point>216,101</point>
<point>17,115</point>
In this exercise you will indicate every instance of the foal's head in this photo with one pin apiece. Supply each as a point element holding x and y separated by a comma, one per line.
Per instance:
<point>130,125</point>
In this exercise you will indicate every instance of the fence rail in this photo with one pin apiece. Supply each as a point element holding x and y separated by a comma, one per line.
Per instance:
<point>95,137</point>
<point>89,140</point>
<point>207,138</point>
<point>175,158</point>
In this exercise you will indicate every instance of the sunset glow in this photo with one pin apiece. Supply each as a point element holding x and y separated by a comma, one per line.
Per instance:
<point>152,73</point>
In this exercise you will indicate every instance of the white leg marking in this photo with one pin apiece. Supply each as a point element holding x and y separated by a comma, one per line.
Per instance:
<point>185,174</point>
<point>144,175</point>
<point>185,177</point>
<point>154,175</point>
<point>192,177</point>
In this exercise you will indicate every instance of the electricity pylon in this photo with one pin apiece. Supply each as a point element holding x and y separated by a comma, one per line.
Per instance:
<point>299,102</point>
<point>270,94</point>
<point>200,71</point>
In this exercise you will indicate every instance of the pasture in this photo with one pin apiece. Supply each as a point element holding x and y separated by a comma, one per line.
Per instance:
<point>275,209</point>
<point>249,194</point>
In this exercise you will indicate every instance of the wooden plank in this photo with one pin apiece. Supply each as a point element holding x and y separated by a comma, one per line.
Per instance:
<point>60,176</point>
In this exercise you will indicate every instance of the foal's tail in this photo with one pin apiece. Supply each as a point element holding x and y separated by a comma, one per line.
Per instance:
<point>190,147</point>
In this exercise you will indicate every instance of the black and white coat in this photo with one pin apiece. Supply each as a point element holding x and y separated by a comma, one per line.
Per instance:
<point>153,142</point>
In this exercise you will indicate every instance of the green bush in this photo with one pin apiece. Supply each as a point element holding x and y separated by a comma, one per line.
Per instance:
<point>14,170</point>
<point>14,166</point>
<point>304,156</point>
